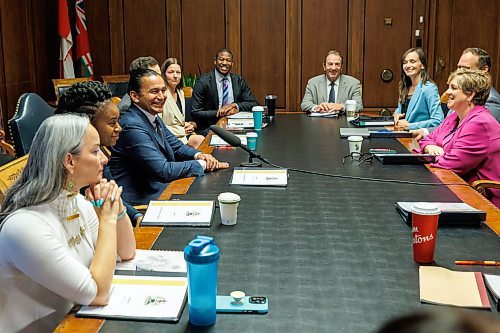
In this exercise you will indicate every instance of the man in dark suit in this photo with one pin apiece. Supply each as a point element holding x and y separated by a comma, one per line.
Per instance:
<point>218,93</point>
<point>147,155</point>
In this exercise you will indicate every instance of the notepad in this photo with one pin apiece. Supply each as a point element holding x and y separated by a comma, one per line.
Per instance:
<point>241,115</point>
<point>148,298</point>
<point>452,213</point>
<point>155,261</point>
<point>179,213</point>
<point>260,177</point>
<point>446,287</point>
<point>493,283</point>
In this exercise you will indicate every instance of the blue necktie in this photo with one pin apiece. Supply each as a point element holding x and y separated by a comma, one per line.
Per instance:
<point>225,91</point>
<point>331,97</point>
<point>159,130</point>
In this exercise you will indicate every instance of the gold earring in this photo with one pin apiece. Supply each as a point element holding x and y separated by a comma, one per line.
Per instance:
<point>70,185</point>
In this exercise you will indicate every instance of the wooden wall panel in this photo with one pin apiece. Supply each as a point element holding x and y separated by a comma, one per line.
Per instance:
<point>263,48</point>
<point>384,46</point>
<point>46,41</point>
<point>452,38</point>
<point>18,53</point>
<point>145,29</point>
<point>203,33</point>
<point>97,14</point>
<point>324,28</point>
<point>174,30</point>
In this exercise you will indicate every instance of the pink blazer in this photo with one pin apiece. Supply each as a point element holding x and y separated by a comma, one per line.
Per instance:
<point>472,149</point>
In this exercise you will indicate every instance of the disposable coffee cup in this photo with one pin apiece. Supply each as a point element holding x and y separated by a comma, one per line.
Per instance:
<point>228,206</point>
<point>355,143</point>
<point>350,109</point>
<point>424,219</point>
<point>271,105</point>
<point>257,111</point>
<point>252,140</point>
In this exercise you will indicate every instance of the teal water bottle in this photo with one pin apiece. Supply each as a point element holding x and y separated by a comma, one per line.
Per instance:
<point>202,257</point>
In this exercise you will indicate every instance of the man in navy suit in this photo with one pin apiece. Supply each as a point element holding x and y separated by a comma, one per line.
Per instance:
<point>218,93</point>
<point>147,155</point>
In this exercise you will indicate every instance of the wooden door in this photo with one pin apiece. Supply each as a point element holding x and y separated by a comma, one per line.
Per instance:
<point>388,34</point>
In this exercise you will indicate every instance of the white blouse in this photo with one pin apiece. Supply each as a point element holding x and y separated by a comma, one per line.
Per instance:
<point>41,275</point>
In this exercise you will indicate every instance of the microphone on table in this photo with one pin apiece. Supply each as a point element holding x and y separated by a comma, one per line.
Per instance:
<point>235,141</point>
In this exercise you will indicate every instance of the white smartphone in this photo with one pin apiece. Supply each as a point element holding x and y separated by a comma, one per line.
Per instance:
<point>249,304</point>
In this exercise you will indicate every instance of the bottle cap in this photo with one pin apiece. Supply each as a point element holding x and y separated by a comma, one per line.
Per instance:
<point>201,250</point>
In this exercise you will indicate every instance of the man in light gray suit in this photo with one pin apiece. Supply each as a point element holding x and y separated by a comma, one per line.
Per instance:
<point>320,97</point>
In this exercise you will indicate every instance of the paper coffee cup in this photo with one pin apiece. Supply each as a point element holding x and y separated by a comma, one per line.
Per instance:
<point>350,109</point>
<point>355,143</point>
<point>425,218</point>
<point>228,206</point>
<point>258,112</point>
<point>252,140</point>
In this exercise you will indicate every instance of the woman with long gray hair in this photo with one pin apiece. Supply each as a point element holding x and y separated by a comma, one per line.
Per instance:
<point>56,249</point>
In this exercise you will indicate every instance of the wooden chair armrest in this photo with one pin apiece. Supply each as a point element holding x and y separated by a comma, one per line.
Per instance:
<point>482,184</point>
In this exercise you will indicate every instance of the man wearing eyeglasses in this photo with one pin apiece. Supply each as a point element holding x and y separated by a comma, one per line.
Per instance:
<point>147,156</point>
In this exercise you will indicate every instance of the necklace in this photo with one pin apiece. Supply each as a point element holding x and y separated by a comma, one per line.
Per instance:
<point>69,215</point>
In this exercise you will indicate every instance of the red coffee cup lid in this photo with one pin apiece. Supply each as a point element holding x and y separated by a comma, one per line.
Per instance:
<point>425,208</point>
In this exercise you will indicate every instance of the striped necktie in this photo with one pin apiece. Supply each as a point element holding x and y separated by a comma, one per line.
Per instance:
<point>331,97</point>
<point>225,91</point>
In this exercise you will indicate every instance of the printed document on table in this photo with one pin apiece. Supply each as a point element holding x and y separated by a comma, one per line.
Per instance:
<point>240,123</point>
<point>179,213</point>
<point>260,177</point>
<point>217,141</point>
<point>332,114</point>
<point>152,298</point>
<point>241,115</point>
<point>156,261</point>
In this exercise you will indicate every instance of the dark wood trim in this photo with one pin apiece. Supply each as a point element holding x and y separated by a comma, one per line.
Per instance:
<point>356,30</point>
<point>233,31</point>
<point>117,37</point>
<point>174,33</point>
<point>293,70</point>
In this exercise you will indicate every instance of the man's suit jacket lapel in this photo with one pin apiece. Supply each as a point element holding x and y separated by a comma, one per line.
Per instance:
<point>213,89</point>
<point>323,90</point>
<point>235,85</point>
<point>164,146</point>
<point>341,89</point>
<point>414,100</point>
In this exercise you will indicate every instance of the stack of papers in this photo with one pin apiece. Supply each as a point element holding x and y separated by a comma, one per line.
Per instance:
<point>493,283</point>
<point>241,115</point>
<point>260,177</point>
<point>216,140</point>
<point>452,213</point>
<point>331,114</point>
<point>240,123</point>
<point>151,298</point>
<point>155,261</point>
<point>179,213</point>
<point>445,287</point>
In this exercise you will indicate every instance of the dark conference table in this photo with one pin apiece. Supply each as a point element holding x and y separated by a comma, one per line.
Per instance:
<point>330,254</point>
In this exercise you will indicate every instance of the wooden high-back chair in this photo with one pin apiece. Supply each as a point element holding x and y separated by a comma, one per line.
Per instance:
<point>9,174</point>
<point>118,84</point>
<point>60,85</point>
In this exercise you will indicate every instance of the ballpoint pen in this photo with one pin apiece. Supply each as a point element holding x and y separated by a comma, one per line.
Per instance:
<point>478,262</point>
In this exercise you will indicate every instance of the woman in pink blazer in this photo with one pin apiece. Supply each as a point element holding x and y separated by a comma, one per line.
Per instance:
<point>468,140</point>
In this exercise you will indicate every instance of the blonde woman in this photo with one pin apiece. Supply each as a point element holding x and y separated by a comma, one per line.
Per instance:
<point>174,110</point>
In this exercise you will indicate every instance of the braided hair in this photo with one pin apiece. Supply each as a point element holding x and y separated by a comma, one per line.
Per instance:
<point>84,98</point>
